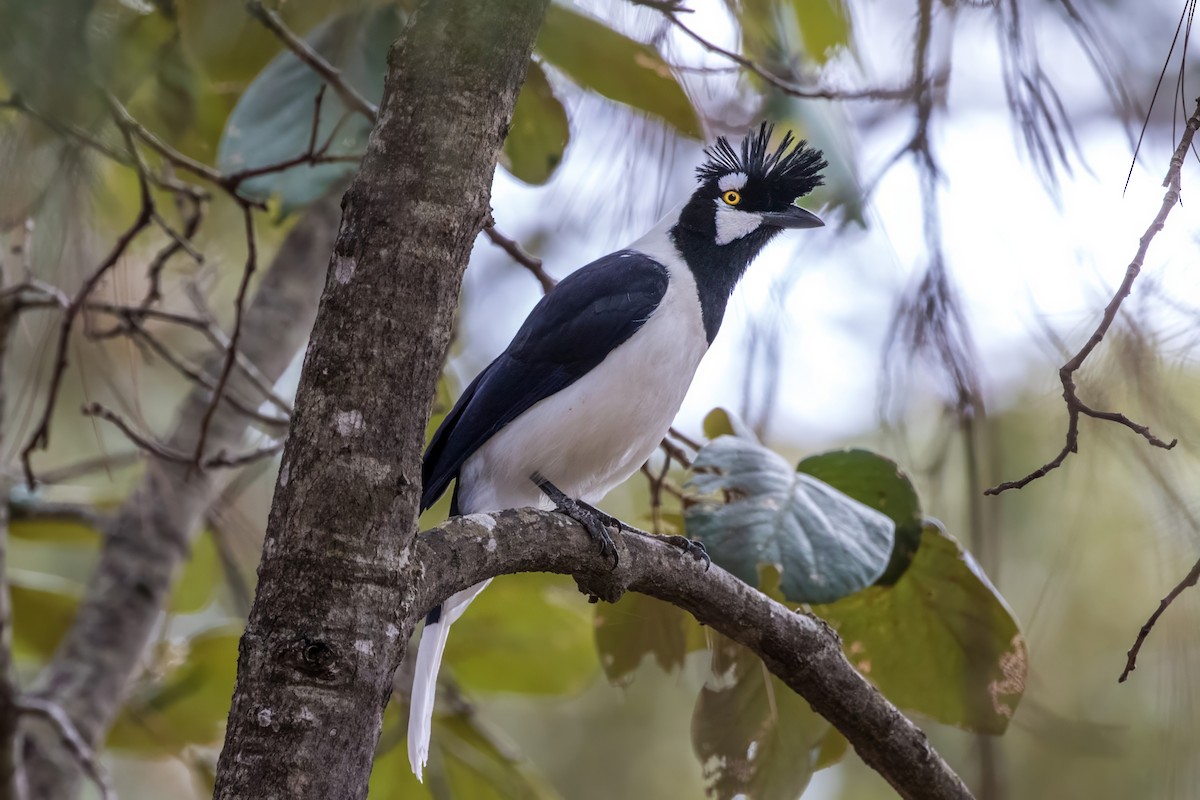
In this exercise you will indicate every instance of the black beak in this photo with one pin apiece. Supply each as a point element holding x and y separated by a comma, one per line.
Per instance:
<point>794,217</point>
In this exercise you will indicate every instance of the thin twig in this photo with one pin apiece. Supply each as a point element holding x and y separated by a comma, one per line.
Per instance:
<point>331,75</point>
<point>57,717</point>
<point>786,86</point>
<point>1189,580</point>
<point>195,375</point>
<point>220,461</point>
<point>1066,374</point>
<point>510,246</point>
<point>231,356</point>
<point>89,465</point>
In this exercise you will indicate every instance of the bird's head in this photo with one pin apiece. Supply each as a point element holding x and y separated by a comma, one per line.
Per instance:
<point>746,197</point>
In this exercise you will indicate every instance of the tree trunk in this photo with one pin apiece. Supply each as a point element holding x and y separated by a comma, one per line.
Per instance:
<point>334,606</point>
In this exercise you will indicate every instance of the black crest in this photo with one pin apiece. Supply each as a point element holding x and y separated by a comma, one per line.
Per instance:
<point>794,171</point>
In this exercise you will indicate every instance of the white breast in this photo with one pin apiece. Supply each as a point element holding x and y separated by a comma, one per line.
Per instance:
<point>594,434</point>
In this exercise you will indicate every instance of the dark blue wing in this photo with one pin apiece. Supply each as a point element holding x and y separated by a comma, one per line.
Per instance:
<point>582,319</point>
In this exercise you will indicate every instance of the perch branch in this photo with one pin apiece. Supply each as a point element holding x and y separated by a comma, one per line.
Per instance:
<point>801,649</point>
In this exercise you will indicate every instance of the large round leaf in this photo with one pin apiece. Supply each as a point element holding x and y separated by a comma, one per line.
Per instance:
<point>598,58</point>
<point>825,545</point>
<point>941,641</point>
<point>754,736</point>
<point>879,483</point>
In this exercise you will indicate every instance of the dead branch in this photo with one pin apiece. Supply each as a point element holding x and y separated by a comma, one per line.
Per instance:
<point>1075,406</point>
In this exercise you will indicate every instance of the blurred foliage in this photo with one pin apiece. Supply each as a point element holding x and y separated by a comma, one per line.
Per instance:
<point>917,614</point>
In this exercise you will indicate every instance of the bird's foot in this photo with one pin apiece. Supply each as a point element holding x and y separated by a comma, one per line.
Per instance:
<point>592,519</point>
<point>693,547</point>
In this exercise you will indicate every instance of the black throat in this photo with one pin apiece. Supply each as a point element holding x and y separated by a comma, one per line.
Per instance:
<point>717,268</point>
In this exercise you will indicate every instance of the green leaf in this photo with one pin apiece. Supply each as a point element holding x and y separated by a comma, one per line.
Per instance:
<point>201,575</point>
<point>877,482</point>
<point>391,776</point>
<point>824,26</point>
<point>598,58</point>
<point>723,422</point>
<point>470,761</point>
<point>636,626</point>
<point>825,544</point>
<point>539,132</point>
<point>532,636</point>
<point>64,530</point>
<point>229,44</point>
<point>772,30</point>
<point>273,119</point>
<point>43,607</point>
<point>190,706</point>
<point>754,736</point>
<point>941,641</point>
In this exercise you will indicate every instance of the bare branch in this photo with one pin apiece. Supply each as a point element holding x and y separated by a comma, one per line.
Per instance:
<point>149,535</point>
<point>54,713</point>
<point>1066,374</point>
<point>510,246</point>
<point>782,84</point>
<point>156,448</point>
<point>231,354</point>
<point>1189,580</point>
<point>349,95</point>
<point>801,649</point>
<point>41,435</point>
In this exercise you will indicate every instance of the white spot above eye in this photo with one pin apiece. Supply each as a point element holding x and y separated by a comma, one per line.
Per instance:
<point>734,180</point>
<point>733,224</point>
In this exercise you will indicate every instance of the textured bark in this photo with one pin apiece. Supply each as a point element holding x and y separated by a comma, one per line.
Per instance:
<point>801,649</point>
<point>150,535</point>
<point>334,606</point>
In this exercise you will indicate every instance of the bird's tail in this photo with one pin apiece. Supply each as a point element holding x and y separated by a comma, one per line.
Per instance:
<point>429,659</point>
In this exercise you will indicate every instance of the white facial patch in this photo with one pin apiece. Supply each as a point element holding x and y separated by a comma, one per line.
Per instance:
<point>733,224</point>
<point>734,180</point>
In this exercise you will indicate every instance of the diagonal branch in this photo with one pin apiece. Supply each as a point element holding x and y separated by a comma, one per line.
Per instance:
<point>799,648</point>
<point>782,84</point>
<point>329,73</point>
<point>1075,406</point>
<point>514,249</point>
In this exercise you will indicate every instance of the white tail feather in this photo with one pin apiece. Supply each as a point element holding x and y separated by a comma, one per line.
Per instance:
<point>429,659</point>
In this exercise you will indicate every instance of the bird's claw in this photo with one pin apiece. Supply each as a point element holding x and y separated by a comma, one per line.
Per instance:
<point>693,547</point>
<point>592,519</point>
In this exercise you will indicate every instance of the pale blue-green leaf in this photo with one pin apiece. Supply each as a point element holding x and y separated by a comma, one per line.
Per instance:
<point>824,544</point>
<point>273,119</point>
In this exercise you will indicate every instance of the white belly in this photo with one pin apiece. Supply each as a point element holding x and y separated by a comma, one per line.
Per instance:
<point>594,434</point>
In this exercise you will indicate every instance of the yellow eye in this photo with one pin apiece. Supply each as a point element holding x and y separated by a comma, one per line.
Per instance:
<point>731,197</point>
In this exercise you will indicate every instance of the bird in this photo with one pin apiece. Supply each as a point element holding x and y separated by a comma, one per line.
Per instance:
<point>594,377</point>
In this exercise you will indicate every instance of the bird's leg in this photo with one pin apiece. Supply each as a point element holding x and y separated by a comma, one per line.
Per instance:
<point>693,547</point>
<point>592,519</point>
<point>572,508</point>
